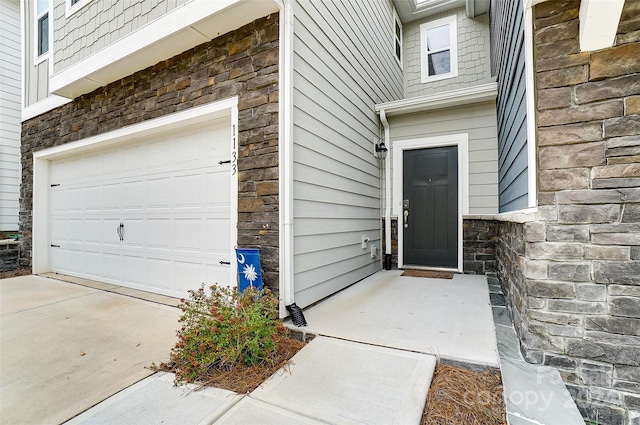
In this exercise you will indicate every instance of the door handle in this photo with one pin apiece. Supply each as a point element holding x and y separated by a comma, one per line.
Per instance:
<point>120,231</point>
<point>406,218</point>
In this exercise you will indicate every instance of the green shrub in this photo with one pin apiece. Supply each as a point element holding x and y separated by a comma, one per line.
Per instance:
<point>225,329</point>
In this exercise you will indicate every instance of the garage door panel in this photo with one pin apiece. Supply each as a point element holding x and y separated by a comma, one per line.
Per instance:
<point>172,196</point>
<point>188,191</point>
<point>159,193</point>
<point>189,275</point>
<point>92,166</point>
<point>111,197</point>
<point>133,195</point>
<point>188,235</point>
<point>189,149</point>
<point>93,264</point>
<point>132,157</point>
<point>60,260</point>
<point>74,200</point>
<point>160,274</point>
<point>216,275</point>
<point>93,231</point>
<point>159,156</point>
<point>75,230</point>
<point>134,270</point>
<point>111,164</point>
<point>218,188</point>
<point>112,267</point>
<point>218,237</point>
<point>92,199</point>
<point>159,234</point>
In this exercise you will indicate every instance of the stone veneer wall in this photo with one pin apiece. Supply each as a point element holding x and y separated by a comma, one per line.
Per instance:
<point>241,63</point>
<point>479,246</point>
<point>572,275</point>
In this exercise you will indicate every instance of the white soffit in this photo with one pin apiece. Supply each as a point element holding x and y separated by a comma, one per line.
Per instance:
<point>410,10</point>
<point>599,23</point>
<point>187,26</point>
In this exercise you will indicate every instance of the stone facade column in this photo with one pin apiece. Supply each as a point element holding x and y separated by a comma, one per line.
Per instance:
<point>577,303</point>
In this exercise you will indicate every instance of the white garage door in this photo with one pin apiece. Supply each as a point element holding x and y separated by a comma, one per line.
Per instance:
<point>151,215</point>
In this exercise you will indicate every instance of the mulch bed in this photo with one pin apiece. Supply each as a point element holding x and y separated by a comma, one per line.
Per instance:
<point>244,379</point>
<point>428,273</point>
<point>20,271</point>
<point>459,396</point>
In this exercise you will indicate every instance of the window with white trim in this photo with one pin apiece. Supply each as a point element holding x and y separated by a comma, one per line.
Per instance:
<point>74,5</point>
<point>439,49</point>
<point>41,28</point>
<point>397,37</point>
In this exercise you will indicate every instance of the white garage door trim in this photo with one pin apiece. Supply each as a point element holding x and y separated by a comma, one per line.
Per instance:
<point>198,116</point>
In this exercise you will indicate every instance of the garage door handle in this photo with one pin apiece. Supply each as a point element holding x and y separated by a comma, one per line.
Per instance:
<point>225,262</point>
<point>120,231</point>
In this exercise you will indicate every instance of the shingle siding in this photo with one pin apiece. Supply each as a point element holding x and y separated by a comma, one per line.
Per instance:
<point>473,55</point>
<point>100,23</point>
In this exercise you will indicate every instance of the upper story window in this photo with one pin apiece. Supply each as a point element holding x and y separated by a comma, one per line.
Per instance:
<point>397,37</point>
<point>42,27</point>
<point>74,5</point>
<point>439,49</point>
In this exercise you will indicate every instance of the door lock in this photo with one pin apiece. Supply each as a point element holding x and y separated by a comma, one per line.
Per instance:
<point>405,207</point>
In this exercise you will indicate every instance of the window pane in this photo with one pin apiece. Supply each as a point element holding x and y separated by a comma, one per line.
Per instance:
<point>398,51</point>
<point>41,6</point>
<point>438,38</point>
<point>439,63</point>
<point>43,34</point>
<point>397,31</point>
<point>74,2</point>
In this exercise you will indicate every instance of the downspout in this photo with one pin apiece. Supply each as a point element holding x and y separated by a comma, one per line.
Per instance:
<point>387,194</point>
<point>286,165</point>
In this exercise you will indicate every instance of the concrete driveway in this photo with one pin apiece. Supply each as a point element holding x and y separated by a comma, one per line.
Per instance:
<point>66,347</point>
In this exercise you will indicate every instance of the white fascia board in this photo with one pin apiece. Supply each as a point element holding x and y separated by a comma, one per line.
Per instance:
<point>599,23</point>
<point>465,96</point>
<point>43,106</point>
<point>189,25</point>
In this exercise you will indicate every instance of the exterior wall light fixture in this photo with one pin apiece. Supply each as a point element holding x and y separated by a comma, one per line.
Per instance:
<point>381,150</point>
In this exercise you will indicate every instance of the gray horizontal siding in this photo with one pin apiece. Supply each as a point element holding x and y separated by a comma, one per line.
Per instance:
<point>36,76</point>
<point>341,70</point>
<point>508,62</point>
<point>479,121</point>
<point>10,108</point>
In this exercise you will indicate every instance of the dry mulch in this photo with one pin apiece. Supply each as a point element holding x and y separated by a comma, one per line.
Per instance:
<point>244,379</point>
<point>459,396</point>
<point>20,271</point>
<point>428,273</point>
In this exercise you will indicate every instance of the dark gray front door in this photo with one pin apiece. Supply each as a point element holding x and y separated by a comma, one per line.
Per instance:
<point>431,207</point>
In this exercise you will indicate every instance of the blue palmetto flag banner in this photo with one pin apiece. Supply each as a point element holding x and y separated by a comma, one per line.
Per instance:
<point>249,271</point>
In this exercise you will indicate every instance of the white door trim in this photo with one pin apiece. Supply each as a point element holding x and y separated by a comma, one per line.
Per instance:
<point>197,116</point>
<point>399,146</point>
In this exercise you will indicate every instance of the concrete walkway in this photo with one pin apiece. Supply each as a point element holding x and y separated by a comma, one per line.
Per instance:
<point>449,318</point>
<point>371,360</point>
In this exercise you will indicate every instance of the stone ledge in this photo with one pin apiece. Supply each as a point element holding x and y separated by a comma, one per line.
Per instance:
<point>521,216</point>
